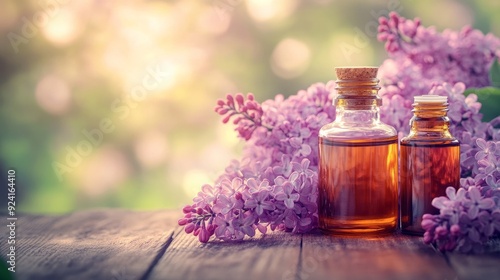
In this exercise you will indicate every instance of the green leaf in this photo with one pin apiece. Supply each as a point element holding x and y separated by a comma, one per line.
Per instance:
<point>490,100</point>
<point>4,270</point>
<point>495,74</point>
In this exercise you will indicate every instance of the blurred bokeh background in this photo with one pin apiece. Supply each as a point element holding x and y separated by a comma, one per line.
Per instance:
<point>109,103</point>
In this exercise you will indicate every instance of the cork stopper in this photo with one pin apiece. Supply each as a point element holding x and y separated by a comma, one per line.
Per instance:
<point>357,87</point>
<point>356,73</point>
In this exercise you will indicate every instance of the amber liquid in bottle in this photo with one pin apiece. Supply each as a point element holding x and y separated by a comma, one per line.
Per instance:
<point>358,185</point>
<point>358,160</point>
<point>429,161</point>
<point>426,172</point>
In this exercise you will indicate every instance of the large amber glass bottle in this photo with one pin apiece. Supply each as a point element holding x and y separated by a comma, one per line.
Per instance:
<point>358,179</point>
<point>430,161</point>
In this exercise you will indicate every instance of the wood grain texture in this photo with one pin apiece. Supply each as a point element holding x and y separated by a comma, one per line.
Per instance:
<point>110,244</point>
<point>389,257</point>
<point>122,244</point>
<point>272,256</point>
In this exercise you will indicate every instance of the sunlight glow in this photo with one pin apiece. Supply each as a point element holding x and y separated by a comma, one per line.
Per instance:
<point>290,58</point>
<point>8,15</point>
<point>151,149</point>
<point>211,22</point>
<point>346,49</point>
<point>63,28</point>
<point>264,10</point>
<point>53,95</point>
<point>104,171</point>
<point>193,180</point>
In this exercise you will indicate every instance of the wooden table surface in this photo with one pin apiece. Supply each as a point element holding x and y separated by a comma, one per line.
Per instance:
<point>123,244</point>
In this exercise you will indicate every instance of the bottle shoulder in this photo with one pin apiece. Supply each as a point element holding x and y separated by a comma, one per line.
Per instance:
<point>414,141</point>
<point>429,137</point>
<point>377,130</point>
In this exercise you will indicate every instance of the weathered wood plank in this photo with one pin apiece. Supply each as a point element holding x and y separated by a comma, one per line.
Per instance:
<point>478,266</point>
<point>122,244</point>
<point>271,256</point>
<point>97,244</point>
<point>389,257</point>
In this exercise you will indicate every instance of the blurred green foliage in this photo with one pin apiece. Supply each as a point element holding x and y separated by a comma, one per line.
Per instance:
<point>489,97</point>
<point>152,72</point>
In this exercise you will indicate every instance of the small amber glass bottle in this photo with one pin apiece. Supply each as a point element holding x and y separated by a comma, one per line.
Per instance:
<point>358,160</point>
<point>430,161</point>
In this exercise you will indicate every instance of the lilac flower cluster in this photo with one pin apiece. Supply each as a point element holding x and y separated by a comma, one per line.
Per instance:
<point>275,184</point>
<point>426,61</point>
<point>470,216</point>
<point>247,111</point>
<point>423,61</point>
<point>422,58</point>
<point>466,124</point>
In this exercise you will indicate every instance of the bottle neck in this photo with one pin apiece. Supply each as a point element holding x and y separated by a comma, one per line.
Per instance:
<point>366,87</point>
<point>358,95</point>
<point>357,115</point>
<point>430,121</point>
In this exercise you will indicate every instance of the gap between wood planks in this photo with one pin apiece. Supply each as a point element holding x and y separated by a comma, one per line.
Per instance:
<point>161,252</point>
<point>299,264</point>
<point>300,272</point>
<point>329,259</point>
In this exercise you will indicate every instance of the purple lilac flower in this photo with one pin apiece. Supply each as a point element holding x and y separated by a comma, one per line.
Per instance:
<point>287,195</point>
<point>260,202</point>
<point>274,185</point>
<point>409,72</point>
<point>469,215</point>
<point>422,58</point>
<point>465,56</point>
<point>477,202</point>
<point>486,150</point>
